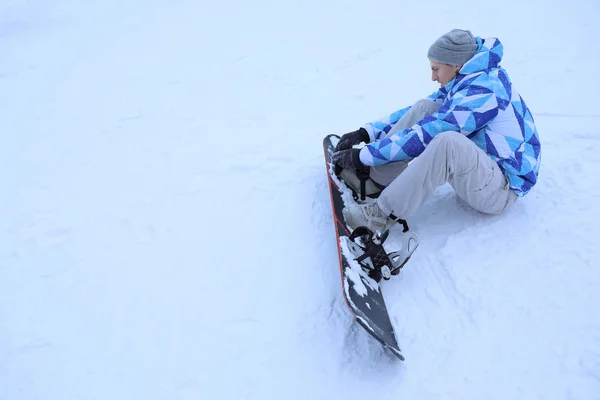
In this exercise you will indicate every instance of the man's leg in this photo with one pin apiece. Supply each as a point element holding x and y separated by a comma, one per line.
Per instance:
<point>450,157</point>
<point>385,174</point>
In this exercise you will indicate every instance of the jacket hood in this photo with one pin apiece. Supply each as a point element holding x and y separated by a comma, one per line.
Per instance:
<point>487,56</point>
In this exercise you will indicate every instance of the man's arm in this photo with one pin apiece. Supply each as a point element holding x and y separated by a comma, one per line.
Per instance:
<point>464,113</point>
<point>377,130</point>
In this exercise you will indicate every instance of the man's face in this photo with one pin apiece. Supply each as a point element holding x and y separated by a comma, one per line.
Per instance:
<point>443,73</point>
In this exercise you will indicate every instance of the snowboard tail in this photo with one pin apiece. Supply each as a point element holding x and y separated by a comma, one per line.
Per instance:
<point>362,290</point>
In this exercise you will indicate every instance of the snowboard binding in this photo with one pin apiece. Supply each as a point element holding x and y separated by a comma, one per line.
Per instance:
<point>359,182</point>
<point>372,256</point>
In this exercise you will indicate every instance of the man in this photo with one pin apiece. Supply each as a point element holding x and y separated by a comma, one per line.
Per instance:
<point>475,132</point>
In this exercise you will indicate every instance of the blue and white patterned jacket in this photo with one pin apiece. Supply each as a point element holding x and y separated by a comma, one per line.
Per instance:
<point>479,103</point>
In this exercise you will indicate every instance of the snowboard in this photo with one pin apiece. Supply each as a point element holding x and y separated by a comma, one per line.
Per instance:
<point>359,251</point>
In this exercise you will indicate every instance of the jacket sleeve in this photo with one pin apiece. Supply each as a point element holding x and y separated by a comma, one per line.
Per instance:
<point>467,111</point>
<point>377,130</point>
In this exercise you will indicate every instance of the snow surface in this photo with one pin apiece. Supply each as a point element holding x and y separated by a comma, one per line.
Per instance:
<point>166,230</point>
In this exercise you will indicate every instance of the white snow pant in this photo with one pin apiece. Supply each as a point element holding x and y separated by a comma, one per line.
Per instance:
<point>449,157</point>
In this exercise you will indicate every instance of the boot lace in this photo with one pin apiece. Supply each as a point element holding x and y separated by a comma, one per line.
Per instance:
<point>373,211</point>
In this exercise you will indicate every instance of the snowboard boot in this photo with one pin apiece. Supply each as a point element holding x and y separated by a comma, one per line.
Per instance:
<point>369,215</point>
<point>372,188</point>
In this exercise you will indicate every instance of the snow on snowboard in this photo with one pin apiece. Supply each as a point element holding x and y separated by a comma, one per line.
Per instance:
<point>363,263</point>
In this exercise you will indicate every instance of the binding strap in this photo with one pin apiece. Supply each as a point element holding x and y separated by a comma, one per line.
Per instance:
<point>363,175</point>
<point>400,221</point>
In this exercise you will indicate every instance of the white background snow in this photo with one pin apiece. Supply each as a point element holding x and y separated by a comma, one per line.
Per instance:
<point>165,223</point>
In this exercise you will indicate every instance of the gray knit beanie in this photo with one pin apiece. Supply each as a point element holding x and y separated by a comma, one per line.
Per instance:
<point>455,48</point>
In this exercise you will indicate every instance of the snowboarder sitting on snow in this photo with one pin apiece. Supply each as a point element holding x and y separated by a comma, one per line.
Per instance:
<point>475,132</point>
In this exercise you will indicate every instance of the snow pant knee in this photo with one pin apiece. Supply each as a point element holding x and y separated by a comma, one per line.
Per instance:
<point>385,174</point>
<point>417,112</point>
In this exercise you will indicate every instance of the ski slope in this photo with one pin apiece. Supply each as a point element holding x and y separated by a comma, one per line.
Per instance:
<point>165,223</point>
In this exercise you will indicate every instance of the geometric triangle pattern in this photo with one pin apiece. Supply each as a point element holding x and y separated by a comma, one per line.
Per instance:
<point>480,103</point>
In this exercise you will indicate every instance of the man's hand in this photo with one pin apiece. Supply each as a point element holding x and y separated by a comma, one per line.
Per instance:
<point>348,159</point>
<point>353,138</point>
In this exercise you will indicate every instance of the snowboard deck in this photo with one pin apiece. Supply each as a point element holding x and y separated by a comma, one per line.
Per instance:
<point>362,294</point>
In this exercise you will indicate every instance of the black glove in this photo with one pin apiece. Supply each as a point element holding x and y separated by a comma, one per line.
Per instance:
<point>350,139</point>
<point>348,159</point>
